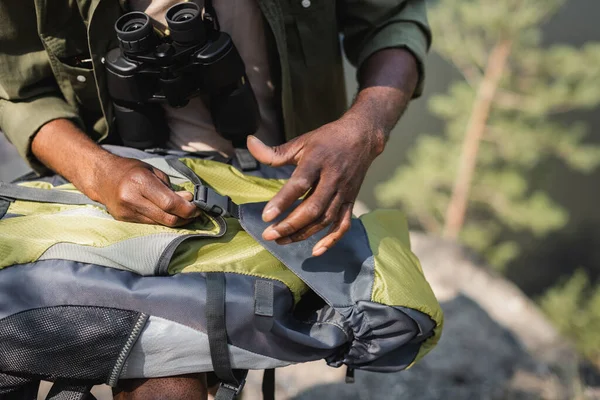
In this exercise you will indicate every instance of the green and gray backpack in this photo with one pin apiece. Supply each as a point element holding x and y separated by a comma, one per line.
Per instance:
<point>86,299</point>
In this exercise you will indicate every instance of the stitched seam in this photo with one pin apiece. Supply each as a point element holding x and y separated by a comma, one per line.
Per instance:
<point>135,333</point>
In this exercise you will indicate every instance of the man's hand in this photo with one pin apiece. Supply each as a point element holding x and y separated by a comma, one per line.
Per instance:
<point>332,162</point>
<point>134,191</point>
<point>130,189</point>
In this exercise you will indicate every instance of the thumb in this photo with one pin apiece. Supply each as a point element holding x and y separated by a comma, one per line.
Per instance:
<point>275,156</point>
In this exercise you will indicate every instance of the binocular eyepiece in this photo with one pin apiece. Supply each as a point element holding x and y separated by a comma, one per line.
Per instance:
<point>136,33</point>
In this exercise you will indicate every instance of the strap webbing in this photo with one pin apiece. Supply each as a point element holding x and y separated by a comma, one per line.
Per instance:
<point>18,192</point>
<point>268,384</point>
<point>66,391</point>
<point>216,328</point>
<point>226,393</point>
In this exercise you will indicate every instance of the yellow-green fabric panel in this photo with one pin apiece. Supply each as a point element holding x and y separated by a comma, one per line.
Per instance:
<point>33,207</point>
<point>399,279</point>
<point>235,252</point>
<point>227,180</point>
<point>24,239</point>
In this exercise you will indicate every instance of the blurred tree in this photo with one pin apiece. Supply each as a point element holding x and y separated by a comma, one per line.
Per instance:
<point>574,307</point>
<point>501,123</point>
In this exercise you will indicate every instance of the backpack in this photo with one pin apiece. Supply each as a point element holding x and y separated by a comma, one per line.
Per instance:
<point>86,299</point>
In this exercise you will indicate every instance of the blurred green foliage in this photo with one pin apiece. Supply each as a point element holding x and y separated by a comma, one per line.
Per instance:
<point>523,129</point>
<point>574,307</point>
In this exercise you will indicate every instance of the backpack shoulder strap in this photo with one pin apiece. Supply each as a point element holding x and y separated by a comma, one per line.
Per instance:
<point>12,191</point>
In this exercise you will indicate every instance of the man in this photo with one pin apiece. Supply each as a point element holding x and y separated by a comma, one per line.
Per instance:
<point>54,107</point>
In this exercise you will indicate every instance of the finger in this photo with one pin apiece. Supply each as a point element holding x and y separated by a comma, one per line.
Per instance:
<point>138,209</point>
<point>275,156</point>
<point>162,176</point>
<point>187,196</point>
<point>331,214</point>
<point>146,208</point>
<point>338,229</point>
<point>135,217</point>
<point>169,202</point>
<point>303,178</point>
<point>310,211</point>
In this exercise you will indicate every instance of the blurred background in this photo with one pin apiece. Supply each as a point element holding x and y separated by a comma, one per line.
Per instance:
<point>497,168</point>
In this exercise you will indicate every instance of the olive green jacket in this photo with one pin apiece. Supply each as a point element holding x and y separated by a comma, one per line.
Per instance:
<point>39,39</point>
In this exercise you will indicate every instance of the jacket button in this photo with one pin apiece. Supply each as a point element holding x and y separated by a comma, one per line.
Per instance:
<point>81,78</point>
<point>306,3</point>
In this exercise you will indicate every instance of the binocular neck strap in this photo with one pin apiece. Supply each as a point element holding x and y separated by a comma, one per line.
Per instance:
<point>212,13</point>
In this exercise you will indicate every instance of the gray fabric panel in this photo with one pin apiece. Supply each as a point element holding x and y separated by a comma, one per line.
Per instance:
<point>179,298</point>
<point>139,255</point>
<point>342,276</point>
<point>175,176</point>
<point>168,348</point>
<point>311,340</point>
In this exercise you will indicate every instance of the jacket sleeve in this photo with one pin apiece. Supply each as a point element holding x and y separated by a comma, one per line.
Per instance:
<point>29,94</point>
<point>372,25</point>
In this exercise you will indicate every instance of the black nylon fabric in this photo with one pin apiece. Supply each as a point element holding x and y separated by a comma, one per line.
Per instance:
<point>68,342</point>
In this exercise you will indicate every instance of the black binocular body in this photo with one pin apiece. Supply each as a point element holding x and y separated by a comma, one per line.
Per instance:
<point>195,59</point>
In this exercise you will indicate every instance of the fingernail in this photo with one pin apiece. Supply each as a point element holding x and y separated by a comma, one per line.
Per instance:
<point>284,241</point>
<point>270,213</point>
<point>271,234</point>
<point>319,252</point>
<point>253,138</point>
<point>197,213</point>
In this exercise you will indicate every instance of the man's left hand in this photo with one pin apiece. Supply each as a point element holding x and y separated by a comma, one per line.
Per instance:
<point>332,162</point>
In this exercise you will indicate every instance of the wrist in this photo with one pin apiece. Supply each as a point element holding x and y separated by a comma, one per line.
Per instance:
<point>98,169</point>
<point>373,131</point>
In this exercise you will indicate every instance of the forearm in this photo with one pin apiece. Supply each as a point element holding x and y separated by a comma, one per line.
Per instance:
<point>387,81</point>
<point>65,149</point>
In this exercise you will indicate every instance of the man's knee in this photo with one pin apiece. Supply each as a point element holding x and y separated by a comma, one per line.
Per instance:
<point>192,387</point>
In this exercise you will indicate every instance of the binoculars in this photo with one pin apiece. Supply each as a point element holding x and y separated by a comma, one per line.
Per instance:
<point>195,59</point>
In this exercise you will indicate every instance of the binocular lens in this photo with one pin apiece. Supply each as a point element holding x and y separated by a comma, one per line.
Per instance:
<point>185,23</point>
<point>135,32</point>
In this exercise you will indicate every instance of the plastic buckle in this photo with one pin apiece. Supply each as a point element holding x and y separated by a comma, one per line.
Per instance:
<point>210,201</point>
<point>235,389</point>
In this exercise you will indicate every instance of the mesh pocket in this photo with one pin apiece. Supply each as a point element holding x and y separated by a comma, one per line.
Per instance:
<point>67,342</point>
<point>11,383</point>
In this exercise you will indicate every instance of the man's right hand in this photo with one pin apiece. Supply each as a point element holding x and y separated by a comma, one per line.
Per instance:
<point>130,189</point>
<point>134,191</point>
